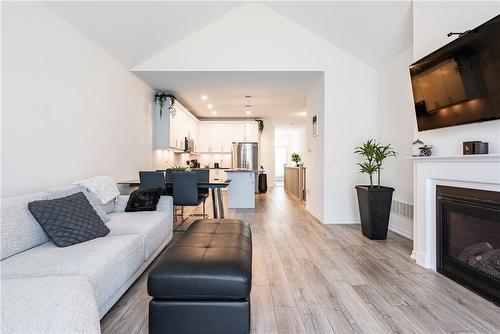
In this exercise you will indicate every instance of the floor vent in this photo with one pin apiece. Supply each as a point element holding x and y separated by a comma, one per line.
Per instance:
<point>402,209</point>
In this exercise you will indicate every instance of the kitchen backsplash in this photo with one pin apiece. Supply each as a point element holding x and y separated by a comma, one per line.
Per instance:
<point>163,159</point>
<point>224,160</point>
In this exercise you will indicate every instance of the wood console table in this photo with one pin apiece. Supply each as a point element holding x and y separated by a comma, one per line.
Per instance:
<point>295,181</point>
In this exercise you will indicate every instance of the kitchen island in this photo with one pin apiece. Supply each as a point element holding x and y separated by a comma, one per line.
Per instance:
<point>241,190</point>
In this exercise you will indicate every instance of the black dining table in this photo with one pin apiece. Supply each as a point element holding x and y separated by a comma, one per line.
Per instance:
<point>214,185</point>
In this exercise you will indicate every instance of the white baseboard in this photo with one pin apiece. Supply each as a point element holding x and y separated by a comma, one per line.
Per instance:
<point>401,225</point>
<point>413,254</point>
<point>420,259</point>
<point>314,214</point>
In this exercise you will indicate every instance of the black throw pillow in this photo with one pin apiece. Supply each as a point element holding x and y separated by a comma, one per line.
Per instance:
<point>144,199</point>
<point>68,220</point>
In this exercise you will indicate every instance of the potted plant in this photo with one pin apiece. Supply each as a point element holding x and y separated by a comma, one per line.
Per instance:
<point>176,168</point>
<point>296,158</point>
<point>374,201</point>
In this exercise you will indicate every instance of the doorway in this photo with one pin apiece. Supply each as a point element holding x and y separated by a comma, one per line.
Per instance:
<point>280,160</point>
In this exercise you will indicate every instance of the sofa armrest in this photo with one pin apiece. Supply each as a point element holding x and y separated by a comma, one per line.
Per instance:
<point>49,304</point>
<point>165,204</point>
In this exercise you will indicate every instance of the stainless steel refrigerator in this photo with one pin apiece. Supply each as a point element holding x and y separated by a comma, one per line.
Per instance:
<point>245,155</point>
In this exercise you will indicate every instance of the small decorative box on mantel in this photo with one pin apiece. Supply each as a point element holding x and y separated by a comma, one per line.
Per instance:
<point>475,147</point>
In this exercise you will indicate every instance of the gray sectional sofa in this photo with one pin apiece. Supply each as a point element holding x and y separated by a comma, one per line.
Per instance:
<point>48,289</point>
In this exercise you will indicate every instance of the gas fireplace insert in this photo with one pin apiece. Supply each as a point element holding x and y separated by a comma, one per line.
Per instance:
<point>468,238</point>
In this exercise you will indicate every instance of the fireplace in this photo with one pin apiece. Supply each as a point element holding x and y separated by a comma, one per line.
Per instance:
<point>468,238</point>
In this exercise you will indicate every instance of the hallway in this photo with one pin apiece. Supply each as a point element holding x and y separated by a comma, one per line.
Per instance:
<point>313,278</point>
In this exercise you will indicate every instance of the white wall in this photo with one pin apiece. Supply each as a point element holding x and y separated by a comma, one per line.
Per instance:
<point>396,115</point>
<point>431,22</point>
<point>315,151</point>
<point>396,125</point>
<point>266,151</point>
<point>351,118</point>
<point>254,37</point>
<point>69,110</point>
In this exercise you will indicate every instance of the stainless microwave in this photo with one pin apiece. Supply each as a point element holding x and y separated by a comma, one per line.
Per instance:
<point>188,145</point>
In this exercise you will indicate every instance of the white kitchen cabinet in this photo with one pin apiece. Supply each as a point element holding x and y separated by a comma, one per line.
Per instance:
<point>203,137</point>
<point>173,128</point>
<point>193,132</point>
<point>227,136</point>
<point>180,128</point>
<point>191,129</point>
<point>171,131</point>
<point>208,136</point>
<point>216,137</point>
<point>238,132</point>
<point>251,131</point>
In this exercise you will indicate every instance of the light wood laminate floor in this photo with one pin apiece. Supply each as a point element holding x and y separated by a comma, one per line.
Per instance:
<point>314,278</point>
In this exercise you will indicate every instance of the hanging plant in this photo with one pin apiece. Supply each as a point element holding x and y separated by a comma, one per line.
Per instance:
<point>172,109</point>
<point>260,123</point>
<point>161,98</point>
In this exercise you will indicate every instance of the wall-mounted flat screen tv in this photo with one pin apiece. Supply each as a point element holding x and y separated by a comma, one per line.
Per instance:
<point>460,82</point>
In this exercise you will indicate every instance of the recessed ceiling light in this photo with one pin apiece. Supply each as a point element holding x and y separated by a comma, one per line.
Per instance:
<point>214,112</point>
<point>210,106</point>
<point>248,112</point>
<point>204,97</point>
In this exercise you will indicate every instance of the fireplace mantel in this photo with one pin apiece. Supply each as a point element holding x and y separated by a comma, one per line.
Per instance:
<point>468,171</point>
<point>471,157</point>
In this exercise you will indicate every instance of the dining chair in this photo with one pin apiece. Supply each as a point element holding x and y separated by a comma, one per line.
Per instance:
<point>185,191</point>
<point>203,176</point>
<point>152,179</point>
<point>168,174</point>
<point>168,180</point>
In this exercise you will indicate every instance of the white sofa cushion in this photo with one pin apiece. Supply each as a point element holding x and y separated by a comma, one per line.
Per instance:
<point>153,226</point>
<point>102,186</point>
<point>20,230</point>
<point>51,304</point>
<point>107,262</point>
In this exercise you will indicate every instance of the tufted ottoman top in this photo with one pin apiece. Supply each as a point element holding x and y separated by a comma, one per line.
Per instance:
<point>211,260</point>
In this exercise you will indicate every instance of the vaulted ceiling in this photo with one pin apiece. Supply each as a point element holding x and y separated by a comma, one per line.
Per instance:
<point>133,31</point>
<point>372,31</point>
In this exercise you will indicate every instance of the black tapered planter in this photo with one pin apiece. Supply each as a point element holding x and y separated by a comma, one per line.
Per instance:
<point>374,210</point>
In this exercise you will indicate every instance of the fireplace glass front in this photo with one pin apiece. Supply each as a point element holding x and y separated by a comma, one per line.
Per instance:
<point>468,238</point>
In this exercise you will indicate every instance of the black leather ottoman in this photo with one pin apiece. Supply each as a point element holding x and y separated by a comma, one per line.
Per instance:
<point>202,283</point>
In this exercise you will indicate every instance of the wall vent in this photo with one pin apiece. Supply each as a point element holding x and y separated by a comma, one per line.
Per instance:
<point>402,209</point>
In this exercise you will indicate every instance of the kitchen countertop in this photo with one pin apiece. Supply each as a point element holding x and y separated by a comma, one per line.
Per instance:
<point>212,168</point>
<point>239,170</point>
